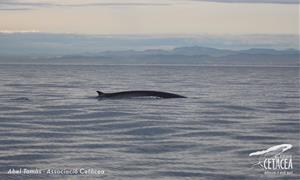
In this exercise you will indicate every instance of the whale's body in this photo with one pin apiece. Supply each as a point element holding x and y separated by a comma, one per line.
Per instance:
<point>136,94</point>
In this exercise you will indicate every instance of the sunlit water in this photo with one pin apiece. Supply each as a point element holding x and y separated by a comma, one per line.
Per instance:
<point>50,119</point>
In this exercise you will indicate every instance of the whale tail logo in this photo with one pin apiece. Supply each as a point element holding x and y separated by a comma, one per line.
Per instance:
<point>273,156</point>
<point>273,151</point>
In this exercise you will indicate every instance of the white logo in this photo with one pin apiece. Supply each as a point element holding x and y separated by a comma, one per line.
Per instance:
<point>273,161</point>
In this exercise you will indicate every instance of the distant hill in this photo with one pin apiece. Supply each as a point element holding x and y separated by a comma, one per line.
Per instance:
<point>200,51</point>
<point>193,55</point>
<point>189,51</point>
<point>181,55</point>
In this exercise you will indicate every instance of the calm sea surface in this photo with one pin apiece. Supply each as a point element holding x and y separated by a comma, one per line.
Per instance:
<point>50,119</point>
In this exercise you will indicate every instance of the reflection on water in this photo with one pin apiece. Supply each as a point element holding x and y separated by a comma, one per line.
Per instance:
<point>50,118</point>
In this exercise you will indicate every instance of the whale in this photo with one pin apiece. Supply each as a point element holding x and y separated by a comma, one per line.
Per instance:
<point>138,94</point>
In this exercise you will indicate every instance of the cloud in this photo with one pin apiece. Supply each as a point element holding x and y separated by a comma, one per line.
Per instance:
<point>26,4</point>
<point>255,1</point>
<point>35,4</point>
<point>18,31</point>
<point>14,9</point>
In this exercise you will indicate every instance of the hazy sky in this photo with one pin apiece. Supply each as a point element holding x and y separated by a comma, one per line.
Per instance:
<point>151,16</point>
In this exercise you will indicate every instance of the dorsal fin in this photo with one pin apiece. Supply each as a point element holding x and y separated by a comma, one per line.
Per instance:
<point>100,93</point>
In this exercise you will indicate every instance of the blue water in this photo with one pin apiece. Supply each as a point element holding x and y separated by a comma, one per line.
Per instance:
<point>50,119</point>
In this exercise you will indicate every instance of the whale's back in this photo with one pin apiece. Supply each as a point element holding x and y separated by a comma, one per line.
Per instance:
<point>132,94</point>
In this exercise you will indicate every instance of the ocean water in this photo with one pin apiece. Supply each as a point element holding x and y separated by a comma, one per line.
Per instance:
<point>50,118</point>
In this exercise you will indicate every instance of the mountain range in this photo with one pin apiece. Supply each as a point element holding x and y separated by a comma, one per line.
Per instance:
<point>180,55</point>
<point>189,55</point>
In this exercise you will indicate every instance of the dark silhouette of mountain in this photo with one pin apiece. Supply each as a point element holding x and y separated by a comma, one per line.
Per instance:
<point>183,55</point>
<point>196,50</point>
<point>192,52</point>
<point>270,51</point>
